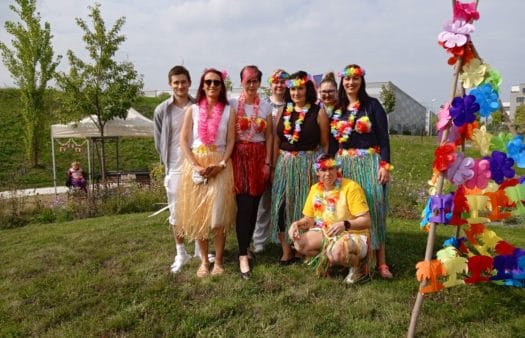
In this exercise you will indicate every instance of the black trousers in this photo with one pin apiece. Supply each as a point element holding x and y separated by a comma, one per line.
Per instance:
<point>246,218</point>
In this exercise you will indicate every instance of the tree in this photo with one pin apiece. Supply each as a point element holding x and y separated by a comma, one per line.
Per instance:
<point>103,88</point>
<point>32,64</point>
<point>388,97</point>
<point>519,119</point>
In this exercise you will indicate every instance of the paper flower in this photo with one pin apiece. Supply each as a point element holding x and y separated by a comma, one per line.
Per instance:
<point>477,204</point>
<point>464,52</point>
<point>445,155</point>
<point>441,206</point>
<point>489,240</point>
<point>504,248</point>
<point>462,110</point>
<point>498,199</point>
<point>466,131</point>
<point>453,267</point>
<point>443,117</point>
<point>481,175</point>
<point>426,214</point>
<point>503,264</point>
<point>500,166</point>
<point>461,169</point>
<point>473,231</point>
<point>480,268</point>
<point>431,271</point>
<point>465,11</point>
<point>516,194</point>
<point>473,73</point>
<point>481,139</point>
<point>493,77</point>
<point>516,150</point>
<point>459,207</point>
<point>455,33</point>
<point>500,142</point>
<point>487,98</point>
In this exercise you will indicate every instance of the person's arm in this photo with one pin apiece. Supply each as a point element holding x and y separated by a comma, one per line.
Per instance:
<point>380,130</point>
<point>158,116</point>
<point>304,223</point>
<point>360,222</point>
<point>324,126</point>
<point>186,131</point>
<point>268,142</point>
<point>276,139</point>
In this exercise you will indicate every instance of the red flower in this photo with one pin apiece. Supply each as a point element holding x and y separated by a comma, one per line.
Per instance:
<point>445,155</point>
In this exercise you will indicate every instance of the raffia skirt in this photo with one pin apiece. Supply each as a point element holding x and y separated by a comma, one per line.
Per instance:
<point>293,177</point>
<point>204,206</point>
<point>362,166</point>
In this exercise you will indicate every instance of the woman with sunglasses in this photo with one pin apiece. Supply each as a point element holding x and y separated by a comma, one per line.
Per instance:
<point>328,93</point>
<point>251,158</point>
<point>207,201</point>
<point>301,134</point>
<point>359,137</point>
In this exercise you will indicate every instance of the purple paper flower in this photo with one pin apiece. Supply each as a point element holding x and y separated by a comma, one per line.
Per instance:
<point>441,206</point>
<point>516,150</point>
<point>487,98</point>
<point>461,170</point>
<point>463,109</point>
<point>500,166</point>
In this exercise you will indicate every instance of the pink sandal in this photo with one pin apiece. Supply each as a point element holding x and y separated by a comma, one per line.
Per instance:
<point>384,271</point>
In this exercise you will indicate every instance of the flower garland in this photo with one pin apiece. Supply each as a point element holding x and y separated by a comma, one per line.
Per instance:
<point>352,71</point>
<point>298,82</point>
<point>253,122</point>
<point>288,125</point>
<point>325,204</point>
<point>208,128</point>
<point>341,129</point>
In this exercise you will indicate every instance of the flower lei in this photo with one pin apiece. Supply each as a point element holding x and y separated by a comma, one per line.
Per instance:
<point>288,125</point>
<point>254,122</point>
<point>352,71</point>
<point>291,83</point>
<point>208,127</point>
<point>326,202</point>
<point>276,76</point>
<point>341,130</point>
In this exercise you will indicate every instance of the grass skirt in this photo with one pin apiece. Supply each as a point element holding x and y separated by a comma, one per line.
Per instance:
<point>293,177</point>
<point>364,169</point>
<point>201,207</point>
<point>248,164</point>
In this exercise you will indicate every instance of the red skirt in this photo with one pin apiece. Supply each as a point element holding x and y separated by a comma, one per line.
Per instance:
<point>248,168</point>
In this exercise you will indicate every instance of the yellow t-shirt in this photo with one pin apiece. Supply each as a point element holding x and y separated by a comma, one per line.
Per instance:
<point>351,202</point>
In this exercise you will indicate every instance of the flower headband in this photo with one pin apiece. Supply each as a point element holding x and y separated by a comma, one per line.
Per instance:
<point>224,73</point>
<point>352,71</point>
<point>327,164</point>
<point>278,75</point>
<point>290,83</point>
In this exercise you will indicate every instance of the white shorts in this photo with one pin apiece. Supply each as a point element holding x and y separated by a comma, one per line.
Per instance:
<point>171,183</point>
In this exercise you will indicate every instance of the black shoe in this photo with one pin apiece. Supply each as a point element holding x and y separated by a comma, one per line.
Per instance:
<point>246,275</point>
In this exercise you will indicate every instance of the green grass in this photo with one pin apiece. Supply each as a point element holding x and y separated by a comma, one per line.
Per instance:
<point>109,276</point>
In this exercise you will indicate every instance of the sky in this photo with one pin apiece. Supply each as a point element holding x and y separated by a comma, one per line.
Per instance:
<point>393,40</point>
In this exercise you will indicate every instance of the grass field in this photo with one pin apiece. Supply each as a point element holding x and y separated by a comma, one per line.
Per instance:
<point>110,276</point>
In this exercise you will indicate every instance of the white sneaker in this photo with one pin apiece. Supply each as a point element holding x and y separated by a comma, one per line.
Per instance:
<point>355,276</point>
<point>180,261</point>
<point>211,257</point>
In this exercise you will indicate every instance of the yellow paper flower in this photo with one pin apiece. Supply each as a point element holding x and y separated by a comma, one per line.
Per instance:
<point>482,139</point>
<point>473,73</point>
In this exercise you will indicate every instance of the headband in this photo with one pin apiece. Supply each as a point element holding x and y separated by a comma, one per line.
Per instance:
<point>352,71</point>
<point>290,83</point>
<point>326,164</point>
<point>278,75</point>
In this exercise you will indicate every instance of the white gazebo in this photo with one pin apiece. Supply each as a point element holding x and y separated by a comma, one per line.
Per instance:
<point>134,125</point>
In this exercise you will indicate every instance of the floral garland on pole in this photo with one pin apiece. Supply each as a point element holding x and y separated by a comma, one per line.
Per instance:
<point>71,144</point>
<point>478,191</point>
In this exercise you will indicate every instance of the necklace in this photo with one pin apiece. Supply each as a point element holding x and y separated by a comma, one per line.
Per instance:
<point>208,127</point>
<point>288,125</point>
<point>342,129</point>
<point>325,204</point>
<point>253,122</point>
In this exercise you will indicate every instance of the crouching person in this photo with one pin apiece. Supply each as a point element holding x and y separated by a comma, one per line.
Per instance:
<point>335,228</point>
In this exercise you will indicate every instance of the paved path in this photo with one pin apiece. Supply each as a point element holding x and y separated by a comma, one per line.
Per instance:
<point>33,192</point>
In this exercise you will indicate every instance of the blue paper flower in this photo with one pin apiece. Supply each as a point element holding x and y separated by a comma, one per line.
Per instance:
<point>463,109</point>
<point>500,166</point>
<point>487,98</point>
<point>516,150</point>
<point>453,241</point>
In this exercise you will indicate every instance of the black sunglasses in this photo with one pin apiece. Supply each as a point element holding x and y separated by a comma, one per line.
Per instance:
<point>216,83</point>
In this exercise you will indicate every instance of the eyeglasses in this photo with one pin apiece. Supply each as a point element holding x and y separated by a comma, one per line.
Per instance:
<point>216,83</point>
<point>328,92</point>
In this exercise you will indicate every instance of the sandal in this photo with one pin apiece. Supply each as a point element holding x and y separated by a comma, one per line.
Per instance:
<point>203,270</point>
<point>217,270</point>
<point>384,271</point>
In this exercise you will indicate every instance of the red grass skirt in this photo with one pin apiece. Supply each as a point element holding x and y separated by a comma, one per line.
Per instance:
<point>248,165</point>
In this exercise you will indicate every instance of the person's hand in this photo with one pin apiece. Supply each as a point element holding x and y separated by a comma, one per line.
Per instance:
<point>293,231</point>
<point>384,176</point>
<point>335,228</point>
<point>213,170</point>
<point>266,172</point>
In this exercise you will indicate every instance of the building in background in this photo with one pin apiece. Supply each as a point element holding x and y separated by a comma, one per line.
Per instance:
<point>517,98</point>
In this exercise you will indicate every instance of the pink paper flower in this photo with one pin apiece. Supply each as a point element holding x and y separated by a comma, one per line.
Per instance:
<point>455,33</point>
<point>443,117</point>
<point>465,11</point>
<point>481,175</point>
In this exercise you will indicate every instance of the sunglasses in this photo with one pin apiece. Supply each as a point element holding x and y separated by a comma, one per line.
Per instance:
<point>216,83</point>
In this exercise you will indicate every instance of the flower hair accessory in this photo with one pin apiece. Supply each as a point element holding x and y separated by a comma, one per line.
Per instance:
<point>327,164</point>
<point>291,83</point>
<point>278,75</point>
<point>352,71</point>
<point>224,73</point>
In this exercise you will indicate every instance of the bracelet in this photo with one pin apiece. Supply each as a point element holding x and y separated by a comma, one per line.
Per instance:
<point>347,224</point>
<point>386,165</point>
<point>222,164</point>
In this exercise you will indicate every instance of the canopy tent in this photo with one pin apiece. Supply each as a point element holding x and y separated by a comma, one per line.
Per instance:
<point>134,125</point>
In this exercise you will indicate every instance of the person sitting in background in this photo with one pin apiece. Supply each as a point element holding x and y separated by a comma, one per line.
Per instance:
<point>75,177</point>
<point>335,228</point>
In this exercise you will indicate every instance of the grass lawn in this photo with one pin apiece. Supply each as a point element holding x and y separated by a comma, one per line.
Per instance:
<point>109,276</point>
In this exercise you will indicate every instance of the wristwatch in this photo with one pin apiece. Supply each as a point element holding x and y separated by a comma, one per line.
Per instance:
<point>347,225</point>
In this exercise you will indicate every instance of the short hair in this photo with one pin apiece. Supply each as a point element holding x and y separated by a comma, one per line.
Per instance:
<point>254,68</point>
<point>362,95</point>
<point>311,94</point>
<point>179,70</point>
<point>200,91</point>
<point>329,78</point>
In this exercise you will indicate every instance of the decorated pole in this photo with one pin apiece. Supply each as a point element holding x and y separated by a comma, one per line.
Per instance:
<point>487,188</point>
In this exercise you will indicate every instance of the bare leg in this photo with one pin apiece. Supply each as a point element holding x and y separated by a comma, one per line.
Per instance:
<point>287,248</point>
<point>203,244</point>
<point>219,240</point>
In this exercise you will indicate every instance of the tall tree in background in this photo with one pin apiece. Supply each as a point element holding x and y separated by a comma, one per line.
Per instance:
<point>32,64</point>
<point>388,98</point>
<point>102,87</point>
<point>519,119</point>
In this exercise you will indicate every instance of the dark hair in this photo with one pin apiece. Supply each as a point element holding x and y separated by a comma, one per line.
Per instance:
<point>323,157</point>
<point>200,92</point>
<point>311,94</point>
<point>329,78</point>
<point>179,70</point>
<point>257,70</point>
<point>362,95</point>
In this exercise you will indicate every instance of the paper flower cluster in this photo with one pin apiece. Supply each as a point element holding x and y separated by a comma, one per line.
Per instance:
<point>483,189</point>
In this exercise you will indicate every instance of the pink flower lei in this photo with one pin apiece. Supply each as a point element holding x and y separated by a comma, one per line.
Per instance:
<point>253,122</point>
<point>208,128</point>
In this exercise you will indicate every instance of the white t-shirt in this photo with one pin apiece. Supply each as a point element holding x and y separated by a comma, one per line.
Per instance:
<point>265,109</point>
<point>175,155</point>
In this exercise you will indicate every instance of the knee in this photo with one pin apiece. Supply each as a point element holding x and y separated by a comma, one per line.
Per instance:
<point>337,255</point>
